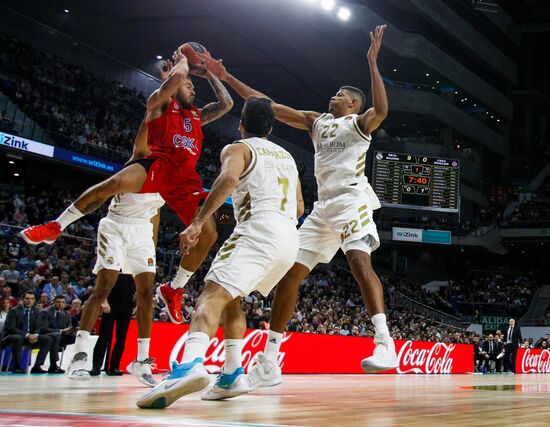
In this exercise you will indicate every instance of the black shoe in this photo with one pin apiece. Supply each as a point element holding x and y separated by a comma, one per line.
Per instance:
<point>38,370</point>
<point>18,371</point>
<point>95,372</point>
<point>55,370</point>
<point>114,372</point>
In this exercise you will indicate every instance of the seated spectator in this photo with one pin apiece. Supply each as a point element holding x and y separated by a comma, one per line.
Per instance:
<point>5,307</point>
<point>14,248</point>
<point>29,284</point>
<point>27,263</point>
<point>44,301</point>
<point>57,323</point>
<point>53,288</point>
<point>12,277</point>
<point>22,327</point>
<point>6,296</point>
<point>76,311</point>
<point>539,342</point>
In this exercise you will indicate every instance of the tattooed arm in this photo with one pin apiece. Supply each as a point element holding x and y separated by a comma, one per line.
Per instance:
<point>224,102</point>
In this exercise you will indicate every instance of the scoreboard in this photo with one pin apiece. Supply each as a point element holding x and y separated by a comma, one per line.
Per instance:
<point>416,182</point>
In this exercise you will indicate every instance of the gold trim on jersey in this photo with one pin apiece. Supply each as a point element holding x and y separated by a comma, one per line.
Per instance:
<point>244,208</point>
<point>359,131</point>
<point>360,167</point>
<point>253,161</point>
<point>227,248</point>
<point>315,121</point>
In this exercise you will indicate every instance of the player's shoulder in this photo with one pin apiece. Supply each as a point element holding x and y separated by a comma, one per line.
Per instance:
<point>322,118</point>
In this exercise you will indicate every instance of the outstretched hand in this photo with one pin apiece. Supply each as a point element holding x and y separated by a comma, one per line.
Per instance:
<point>375,42</point>
<point>165,69</point>
<point>189,237</point>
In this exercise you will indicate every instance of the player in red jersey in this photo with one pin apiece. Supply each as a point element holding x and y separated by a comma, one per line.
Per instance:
<point>174,136</point>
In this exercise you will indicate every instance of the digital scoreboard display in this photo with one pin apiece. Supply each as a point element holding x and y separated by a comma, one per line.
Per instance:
<point>416,182</point>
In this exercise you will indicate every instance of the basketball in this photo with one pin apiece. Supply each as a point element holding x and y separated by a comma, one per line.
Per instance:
<point>192,50</point>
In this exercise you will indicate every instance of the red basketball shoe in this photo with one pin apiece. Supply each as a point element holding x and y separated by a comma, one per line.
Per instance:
<point>41,233</point>
<point>172,300</point>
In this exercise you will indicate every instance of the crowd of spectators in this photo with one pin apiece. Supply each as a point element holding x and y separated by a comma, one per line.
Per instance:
<point>477,291</point>
<point>329,303</point>
<point>82,111</point>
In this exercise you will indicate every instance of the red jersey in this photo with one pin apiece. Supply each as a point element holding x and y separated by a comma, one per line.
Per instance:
<point>177,135</point>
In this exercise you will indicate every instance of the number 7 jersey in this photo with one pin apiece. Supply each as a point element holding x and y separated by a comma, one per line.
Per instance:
<point>269,182</point>
<point>340,154</point>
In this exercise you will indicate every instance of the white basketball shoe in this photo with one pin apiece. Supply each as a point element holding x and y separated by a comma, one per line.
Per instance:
<point>141,369</point>
<point>77,367</point>
<point>227,386</point>
<point>264,373</point>
<point>383,358</point>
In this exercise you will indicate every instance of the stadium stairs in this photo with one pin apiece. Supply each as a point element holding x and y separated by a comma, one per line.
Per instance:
<point>538,307</point>
<point>23,125</point>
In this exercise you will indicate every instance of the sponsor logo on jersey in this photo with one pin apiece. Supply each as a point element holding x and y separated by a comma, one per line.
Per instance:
<point>185,142</point>
<point>110,260</point>
<point>150,262</point>
<point>349,117</point>
<point>176,106</point>
<point>194,113</point>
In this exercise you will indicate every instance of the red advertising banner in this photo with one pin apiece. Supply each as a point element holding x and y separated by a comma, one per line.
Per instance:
<point>308,353</point>
<point>533,360</point>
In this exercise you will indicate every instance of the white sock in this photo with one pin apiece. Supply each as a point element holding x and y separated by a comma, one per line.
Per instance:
<point>273,344</point>
<point>70,215</point>
<point>195,346</point>
<point>233,355</point>
<point>380,325</point>
<point>82,338</point>
<point>181,279</point>
<point>143,348</point>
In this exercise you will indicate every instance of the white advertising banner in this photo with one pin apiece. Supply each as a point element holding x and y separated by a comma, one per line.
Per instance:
<point>27,145</point>
<point>407,234</point>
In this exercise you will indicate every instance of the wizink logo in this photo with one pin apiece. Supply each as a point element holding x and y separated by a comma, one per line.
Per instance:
<point>408,234</point>
<point>185,142</point>
<point>92,163</point>
<point>12,141</point>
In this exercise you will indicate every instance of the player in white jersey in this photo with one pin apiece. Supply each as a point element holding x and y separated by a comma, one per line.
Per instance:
<point>341,218</point>
<point>263,180</point>
<point>126,241</point>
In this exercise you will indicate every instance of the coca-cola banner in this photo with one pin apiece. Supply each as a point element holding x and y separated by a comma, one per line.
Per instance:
<point>308,353</point>
<point>533,360</point>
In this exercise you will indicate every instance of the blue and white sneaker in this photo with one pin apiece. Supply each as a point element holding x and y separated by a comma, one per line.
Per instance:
<point>141,369</point>
<point>227,385</point>
<point>184,379</point>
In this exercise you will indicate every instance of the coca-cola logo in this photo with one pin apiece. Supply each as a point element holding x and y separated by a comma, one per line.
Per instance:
<point>534,361</point>
<point>253,346</point>
<point>434,360</point>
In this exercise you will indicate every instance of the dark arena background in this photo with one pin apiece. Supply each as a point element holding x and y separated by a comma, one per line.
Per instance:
<point>460,164</point>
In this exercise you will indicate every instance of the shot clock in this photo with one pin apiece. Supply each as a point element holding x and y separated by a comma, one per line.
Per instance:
<point>416,182</point>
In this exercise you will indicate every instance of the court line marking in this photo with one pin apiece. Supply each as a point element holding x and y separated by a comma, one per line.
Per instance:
<point>148,420</point>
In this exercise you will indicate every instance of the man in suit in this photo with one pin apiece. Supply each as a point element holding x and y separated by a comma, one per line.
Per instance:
<point>489,353</point>
<point>57,324</point>
<point>22,327</point>
<point>513,340</point>
<point>118,309</point>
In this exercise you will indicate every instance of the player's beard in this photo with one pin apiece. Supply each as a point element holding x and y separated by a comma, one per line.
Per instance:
<point>186,103</point>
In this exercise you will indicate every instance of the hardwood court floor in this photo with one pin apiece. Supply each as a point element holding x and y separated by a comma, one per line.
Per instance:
<point>302,400</point>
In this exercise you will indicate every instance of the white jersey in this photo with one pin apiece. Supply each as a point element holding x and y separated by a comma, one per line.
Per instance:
<point>268,184</point>
<point>136,206</point>
<point>340,155</point>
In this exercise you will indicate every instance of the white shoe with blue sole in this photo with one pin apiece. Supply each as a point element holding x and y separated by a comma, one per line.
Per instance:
<point>227,386</point>
<point>185,379</point>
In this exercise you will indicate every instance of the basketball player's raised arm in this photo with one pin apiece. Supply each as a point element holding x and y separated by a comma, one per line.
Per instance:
<point>299,200</point>
<point>224,102</point>
<point>299,119</point>
<point>234,159</point>
<point>374,116</point>
<point>177,74</point>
